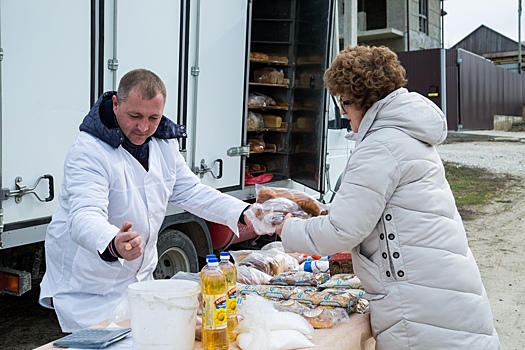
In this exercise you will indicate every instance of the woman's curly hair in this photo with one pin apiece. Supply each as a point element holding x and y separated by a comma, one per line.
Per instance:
<point>365,74</point>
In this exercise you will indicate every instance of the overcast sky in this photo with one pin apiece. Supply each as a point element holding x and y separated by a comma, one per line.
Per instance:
<point>464,16</point>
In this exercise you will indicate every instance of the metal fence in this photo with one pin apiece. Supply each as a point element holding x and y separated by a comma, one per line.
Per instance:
<point>469,88</point>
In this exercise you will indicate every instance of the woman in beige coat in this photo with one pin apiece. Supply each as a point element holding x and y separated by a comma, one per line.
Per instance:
<point>396,213</point>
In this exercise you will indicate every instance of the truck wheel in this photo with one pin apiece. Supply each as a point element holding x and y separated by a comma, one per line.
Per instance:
<point>176,253</point>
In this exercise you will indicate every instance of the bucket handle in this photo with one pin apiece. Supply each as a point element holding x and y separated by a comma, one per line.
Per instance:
<point>177,305</point>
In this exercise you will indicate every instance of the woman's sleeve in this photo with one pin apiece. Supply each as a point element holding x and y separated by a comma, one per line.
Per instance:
<point>370,179</point>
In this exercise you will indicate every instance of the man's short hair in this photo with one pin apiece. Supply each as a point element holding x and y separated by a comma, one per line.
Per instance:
<point>148,84</point>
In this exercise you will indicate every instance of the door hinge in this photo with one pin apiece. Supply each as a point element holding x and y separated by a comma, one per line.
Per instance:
<point>239,151</point>
<point>112,64</point>
<point>195,71</point>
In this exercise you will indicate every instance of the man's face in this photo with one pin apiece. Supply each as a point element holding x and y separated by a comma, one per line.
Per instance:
<point>137,117</point>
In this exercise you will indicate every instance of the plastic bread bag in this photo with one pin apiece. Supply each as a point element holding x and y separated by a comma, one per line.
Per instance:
<point>265,216</point>
<point>306,202</point>
<point>272,262</point>
<point>255,121</point>
<point>257,143</point>
<point>325,317</point>
<point>299,278</point>
<point>251,275</point>
<point>343,280</point>
<point>291,306</point>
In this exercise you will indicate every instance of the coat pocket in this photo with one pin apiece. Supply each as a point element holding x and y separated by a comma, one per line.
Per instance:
<point>369,274</point>
<point>93,276</point>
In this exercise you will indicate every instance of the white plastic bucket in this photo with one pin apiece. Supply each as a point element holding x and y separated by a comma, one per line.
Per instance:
<point>163,314</point>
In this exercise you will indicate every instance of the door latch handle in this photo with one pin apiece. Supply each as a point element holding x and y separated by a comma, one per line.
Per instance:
<point>206,169</point>
<point>22,189</point>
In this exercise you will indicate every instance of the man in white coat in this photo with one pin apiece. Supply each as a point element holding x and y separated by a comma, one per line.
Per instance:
<point>119,176</point>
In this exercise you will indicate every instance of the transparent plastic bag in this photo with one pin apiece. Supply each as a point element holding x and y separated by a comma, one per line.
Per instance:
<point>306,202</point>
<point>265,216</point>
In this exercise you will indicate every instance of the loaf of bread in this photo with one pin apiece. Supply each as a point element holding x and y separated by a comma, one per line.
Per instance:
<point>257,145</point>
<point>319,318</point>
<point>259,56</point>
<point>307,203</point>
<point>272,121</point>
<point>255,121</point>
<point>256,99</point>
<point>268,75</point>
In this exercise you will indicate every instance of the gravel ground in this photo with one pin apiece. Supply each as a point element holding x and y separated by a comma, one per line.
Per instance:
<point>497,156</point>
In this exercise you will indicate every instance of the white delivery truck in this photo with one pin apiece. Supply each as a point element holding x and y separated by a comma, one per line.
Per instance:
<point>217,59</point>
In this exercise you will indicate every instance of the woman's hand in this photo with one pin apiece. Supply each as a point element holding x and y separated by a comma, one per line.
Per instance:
<point>279,228</point>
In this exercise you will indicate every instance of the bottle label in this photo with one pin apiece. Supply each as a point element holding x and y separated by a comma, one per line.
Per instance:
<point>232,300</point>
<point>214,314</point>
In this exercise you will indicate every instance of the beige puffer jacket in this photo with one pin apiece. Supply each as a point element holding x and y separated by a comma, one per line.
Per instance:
<point>396,213</point>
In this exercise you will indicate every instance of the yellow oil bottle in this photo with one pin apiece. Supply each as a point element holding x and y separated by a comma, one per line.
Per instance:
<point>230,271</point>
<point>214,313</point>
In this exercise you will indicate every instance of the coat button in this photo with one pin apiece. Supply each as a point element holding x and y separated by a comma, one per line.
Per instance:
<point>385,256</point>
<point>388,217</point>
<point>395,255</point>
<point>388,274</point>
<point>382,236</point>
<point>391,236</point>
<point>400,273</point>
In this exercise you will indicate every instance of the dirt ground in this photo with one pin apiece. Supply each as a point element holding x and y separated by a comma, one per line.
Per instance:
<point>495,232</point>
<point>496,235</point>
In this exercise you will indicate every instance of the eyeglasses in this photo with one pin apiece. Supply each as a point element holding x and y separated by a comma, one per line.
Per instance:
<point>342,103</point>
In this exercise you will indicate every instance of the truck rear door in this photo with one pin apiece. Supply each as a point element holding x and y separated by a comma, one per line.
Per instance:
<point>45,83</point>
<point>217,89</point>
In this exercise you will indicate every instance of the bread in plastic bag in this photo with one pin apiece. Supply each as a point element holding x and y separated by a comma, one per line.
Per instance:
<point>265,216</point>
<point>268,75</point>
<point>251,275</point>
<point>306,202</point>
<point>255,121</point>
<point>273,261</point>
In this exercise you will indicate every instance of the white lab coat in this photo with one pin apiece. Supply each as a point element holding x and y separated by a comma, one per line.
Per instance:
<point>102,188</point>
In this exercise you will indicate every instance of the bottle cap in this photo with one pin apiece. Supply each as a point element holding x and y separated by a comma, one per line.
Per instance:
<point>212,261</point>
<point>225,255</point>
<point>210,256</point>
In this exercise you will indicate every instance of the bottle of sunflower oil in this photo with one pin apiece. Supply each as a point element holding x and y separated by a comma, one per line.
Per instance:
<point>214,313</point>
<point>230,271</point>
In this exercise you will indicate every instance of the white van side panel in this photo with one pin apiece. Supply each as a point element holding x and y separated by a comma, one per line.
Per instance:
<point>45,95</point>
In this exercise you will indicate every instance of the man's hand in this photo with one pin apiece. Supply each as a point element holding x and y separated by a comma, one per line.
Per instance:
<point>128,242</point>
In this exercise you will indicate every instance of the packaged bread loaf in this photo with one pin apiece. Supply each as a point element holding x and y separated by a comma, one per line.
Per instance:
<point>268,75</point>
<point>256,99</point>
<point>255,121</point>
<point>256,144</point>
<point>305,202</point>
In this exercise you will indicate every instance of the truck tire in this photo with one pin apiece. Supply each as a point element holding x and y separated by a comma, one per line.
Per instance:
<point>176,253</point>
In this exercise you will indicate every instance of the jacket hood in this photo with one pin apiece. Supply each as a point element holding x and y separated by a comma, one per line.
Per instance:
<point>101,123</point>
<point>409,112</point>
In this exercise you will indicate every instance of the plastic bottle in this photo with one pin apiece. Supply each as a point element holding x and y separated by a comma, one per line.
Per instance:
<point>230,271</point>
<point>214,313</point>
<point>315,266</point>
